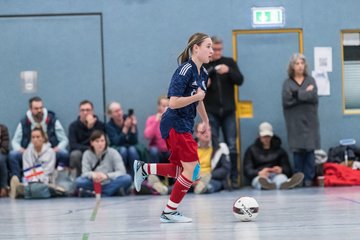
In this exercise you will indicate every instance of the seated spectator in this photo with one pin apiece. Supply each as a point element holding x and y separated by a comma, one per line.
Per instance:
<point>4,150</point>
<point>102,164</point>
<point>123,134</point>
<point>79,133</point>
<point>157,146</point>
<point>214,163</point>
<point>38,166</point>
<point>266,163</point>
<point>38,115</point>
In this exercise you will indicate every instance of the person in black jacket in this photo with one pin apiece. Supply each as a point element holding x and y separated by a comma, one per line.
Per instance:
<point>219,101</point>
<point>79,133</point>
<point>266,163</point>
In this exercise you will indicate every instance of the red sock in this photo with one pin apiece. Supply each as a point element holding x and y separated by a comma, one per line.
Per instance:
<point>180,188</point>
<point>164,169</point>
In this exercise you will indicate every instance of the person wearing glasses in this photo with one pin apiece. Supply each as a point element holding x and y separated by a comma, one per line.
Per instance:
<point>79,133</point>
<point>224,75</point>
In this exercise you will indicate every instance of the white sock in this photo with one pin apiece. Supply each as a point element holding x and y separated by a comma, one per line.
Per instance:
<point>151,167</point>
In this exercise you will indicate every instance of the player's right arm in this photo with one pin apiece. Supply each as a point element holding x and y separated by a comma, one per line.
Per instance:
<point>179,102</point>
<point>179,83</point>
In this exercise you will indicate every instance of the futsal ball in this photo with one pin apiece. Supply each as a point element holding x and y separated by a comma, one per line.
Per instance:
<point>245,209</point>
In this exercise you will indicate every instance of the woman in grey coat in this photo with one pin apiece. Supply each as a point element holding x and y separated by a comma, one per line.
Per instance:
<point>300,106</point>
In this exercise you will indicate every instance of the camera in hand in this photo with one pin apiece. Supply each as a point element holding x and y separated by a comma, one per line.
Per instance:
<point>130,112</point>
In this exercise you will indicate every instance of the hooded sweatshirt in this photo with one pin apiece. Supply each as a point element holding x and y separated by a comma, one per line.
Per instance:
<point>46,158</point>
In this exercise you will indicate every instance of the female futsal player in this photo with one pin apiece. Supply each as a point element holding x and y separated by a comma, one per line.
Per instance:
<point>186,92</point>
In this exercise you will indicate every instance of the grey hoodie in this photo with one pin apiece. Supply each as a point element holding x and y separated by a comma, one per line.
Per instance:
<point>46,158</point>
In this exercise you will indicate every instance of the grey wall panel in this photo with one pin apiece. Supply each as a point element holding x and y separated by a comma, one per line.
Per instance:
<point>66,53</point>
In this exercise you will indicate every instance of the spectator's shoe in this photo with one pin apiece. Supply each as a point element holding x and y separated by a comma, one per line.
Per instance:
<point>155,183</point>
<point>121,192</point>
<point>57,191</point>
<point>139,174</point>
<point>202,185</point>
<point>14,185</point>
<point>292,182</point>
<point>20,191</point>
<point>4,192</point>
<point>265,184</point>
<point>174,217</point>
<point>308,183</point>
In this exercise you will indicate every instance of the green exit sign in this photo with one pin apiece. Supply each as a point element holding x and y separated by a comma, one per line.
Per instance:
<point>268,16</point>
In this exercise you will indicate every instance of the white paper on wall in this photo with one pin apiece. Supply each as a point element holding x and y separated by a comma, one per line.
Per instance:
<point>322,82</point>
<point>323,59</point>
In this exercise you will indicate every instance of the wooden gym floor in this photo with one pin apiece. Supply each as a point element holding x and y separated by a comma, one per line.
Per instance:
<point>303,213</point>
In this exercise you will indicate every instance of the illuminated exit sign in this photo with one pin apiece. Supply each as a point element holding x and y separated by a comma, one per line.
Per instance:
<point>268,16</point>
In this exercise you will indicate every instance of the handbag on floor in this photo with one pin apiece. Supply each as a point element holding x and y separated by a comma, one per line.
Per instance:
<point>36,190</point>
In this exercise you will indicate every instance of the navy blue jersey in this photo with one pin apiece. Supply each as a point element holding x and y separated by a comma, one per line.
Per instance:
<point>184,83</point>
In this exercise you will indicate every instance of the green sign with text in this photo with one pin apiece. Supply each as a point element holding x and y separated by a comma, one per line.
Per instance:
<point>268,17</point>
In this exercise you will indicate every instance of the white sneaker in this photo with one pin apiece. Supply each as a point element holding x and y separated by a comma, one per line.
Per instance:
<point>174,217</point>
<point>14,184</point>
<point>139,174</point>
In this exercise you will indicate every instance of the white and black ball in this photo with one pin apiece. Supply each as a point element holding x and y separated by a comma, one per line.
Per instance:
<point>245,209</point>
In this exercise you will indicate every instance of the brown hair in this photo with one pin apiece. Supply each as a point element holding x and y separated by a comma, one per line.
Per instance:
<point>83,102</point>
<point>96,134</point>
<point>42,132</point>
<point>161,98</point>
<point>34,99</point>
<point>197,39</point>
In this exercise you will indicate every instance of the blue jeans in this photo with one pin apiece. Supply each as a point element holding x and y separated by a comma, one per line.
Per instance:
<point>129,155</point>
<point>304,162</point>
<point>107,189</point>
<point>214,186</point>
<point>62,158</point>
<point>227,123</point>
<point>15,164</point>
<point>3,171</point>
<point>155,156</point>
<point>278,179</point>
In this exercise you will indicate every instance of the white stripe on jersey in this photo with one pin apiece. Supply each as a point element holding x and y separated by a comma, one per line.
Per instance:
<point>184,69</point>
<point>205,70</point>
